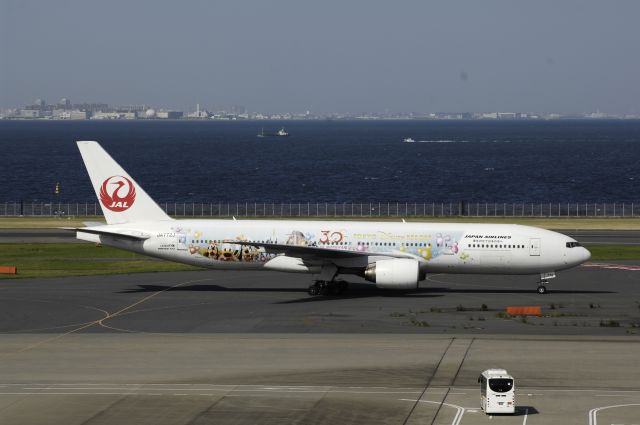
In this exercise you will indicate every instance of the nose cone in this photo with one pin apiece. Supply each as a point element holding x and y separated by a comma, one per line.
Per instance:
<point>585,255</point>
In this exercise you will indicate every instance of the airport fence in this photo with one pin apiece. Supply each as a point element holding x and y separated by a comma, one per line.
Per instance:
<point>341,209</point>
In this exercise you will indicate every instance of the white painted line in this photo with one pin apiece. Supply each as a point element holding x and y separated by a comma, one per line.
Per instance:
<point>115,384</point>
<point>593,413</point>
<point>611,395</point>
<point>526,415</point>
<point>584,391</point>
<point>58,393</point>
<point>43,390</point>
<point>459,413</point>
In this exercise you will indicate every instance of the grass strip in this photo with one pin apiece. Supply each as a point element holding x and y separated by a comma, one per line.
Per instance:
<point>83,259</point>
<point>78,259</point>
<point>614,252</point>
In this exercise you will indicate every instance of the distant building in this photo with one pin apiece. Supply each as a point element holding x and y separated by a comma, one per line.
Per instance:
<point>29,113</point>
<point>453,115</point>
<point>169,115</point>
<point>198,114</point>
<point>113,115</point>
<point>92,107</point>
<point>238,109</point>
<point>64,103</point>
<point>132,108</point>
<point>74,114</point>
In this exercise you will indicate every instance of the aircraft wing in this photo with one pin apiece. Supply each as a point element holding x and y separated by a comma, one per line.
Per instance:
<point>315,252</point>
<point>125,234</point>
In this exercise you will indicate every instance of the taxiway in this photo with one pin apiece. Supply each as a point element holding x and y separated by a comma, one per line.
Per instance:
<point>250,348</point>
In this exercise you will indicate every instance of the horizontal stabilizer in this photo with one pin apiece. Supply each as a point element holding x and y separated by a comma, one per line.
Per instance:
<point>125,234</point>
<point>92,223</point>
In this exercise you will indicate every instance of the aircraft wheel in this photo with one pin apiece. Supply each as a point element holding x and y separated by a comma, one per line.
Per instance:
<point>314,289</point>
<point>542,289</point>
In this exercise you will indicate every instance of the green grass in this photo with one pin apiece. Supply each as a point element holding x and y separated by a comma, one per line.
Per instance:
<point>614,252</point>
<point>44,222</point>
<point>83,259</point>
<point>78,259</point>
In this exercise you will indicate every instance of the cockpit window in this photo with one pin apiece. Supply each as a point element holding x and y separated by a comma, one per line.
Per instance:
<point>573,244</point>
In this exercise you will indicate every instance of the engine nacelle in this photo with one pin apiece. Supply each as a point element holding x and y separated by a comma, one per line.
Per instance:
<point>396,273</point>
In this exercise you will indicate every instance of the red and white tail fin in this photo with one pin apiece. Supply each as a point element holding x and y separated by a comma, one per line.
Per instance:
<point>121,198</point>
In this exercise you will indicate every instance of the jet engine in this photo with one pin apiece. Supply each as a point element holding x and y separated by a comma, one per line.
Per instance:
<point>395,273</point>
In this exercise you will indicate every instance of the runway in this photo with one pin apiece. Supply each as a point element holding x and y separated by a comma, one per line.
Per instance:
<point>253,348</point>
<point>604,237</point>
<point>609,237</point>
<point>217,301</point>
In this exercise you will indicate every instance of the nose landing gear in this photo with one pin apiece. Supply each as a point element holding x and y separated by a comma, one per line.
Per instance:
<point>544,281</point>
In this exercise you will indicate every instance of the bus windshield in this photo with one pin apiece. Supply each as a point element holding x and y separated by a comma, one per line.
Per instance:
<point>500,385</point>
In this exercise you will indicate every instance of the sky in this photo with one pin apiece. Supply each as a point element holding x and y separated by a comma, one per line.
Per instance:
<point>325,56</point>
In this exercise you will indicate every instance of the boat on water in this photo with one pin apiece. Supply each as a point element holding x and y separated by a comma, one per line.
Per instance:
<point>409,140</point>
<point>280,133</point>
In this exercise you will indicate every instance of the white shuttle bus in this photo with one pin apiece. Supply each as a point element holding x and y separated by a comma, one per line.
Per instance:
<point>497,392</point>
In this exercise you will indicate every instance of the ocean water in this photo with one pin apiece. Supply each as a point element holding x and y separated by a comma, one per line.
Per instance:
<point>332,161</point>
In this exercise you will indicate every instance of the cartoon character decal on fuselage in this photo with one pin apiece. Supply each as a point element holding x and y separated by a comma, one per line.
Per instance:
<point>426,246</point>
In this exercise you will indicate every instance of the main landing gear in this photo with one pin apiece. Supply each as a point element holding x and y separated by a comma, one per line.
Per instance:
<point>331,287</point>
<point>327,283</point>
<point>544,281</point>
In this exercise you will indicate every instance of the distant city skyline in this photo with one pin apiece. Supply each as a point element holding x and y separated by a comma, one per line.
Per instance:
<point>65,109</point>
<point>574,56</point>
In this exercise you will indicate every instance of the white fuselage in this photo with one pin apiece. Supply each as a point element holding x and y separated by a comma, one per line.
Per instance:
<point>439,247</point>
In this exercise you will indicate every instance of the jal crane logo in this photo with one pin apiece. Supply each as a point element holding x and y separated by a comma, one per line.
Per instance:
<point>117,193</point>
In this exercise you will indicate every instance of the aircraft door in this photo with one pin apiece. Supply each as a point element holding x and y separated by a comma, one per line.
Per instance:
<point>181,242</point>
<point>534,247</point>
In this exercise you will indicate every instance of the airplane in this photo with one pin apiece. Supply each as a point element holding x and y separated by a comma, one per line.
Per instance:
<point>390,255</point>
